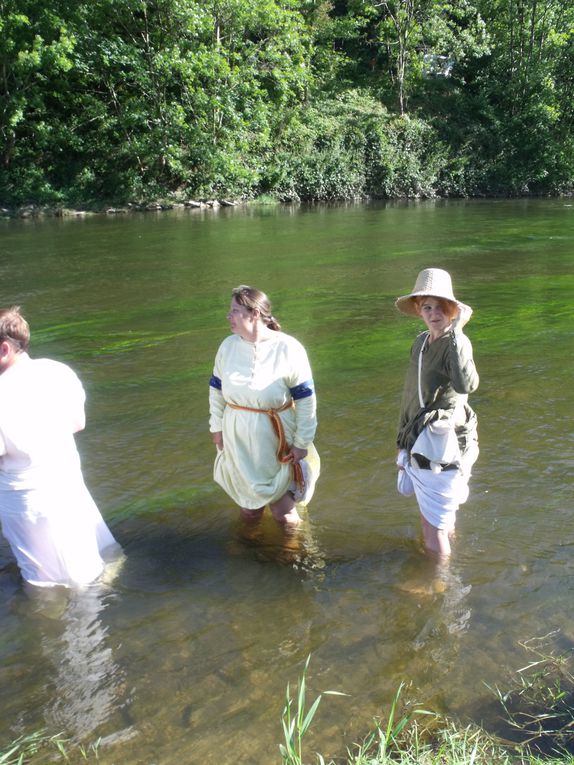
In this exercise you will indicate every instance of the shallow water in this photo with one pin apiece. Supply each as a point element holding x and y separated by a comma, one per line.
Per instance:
<point>186,654</point>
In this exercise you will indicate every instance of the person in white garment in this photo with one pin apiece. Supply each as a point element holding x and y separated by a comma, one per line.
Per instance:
<point>48,516</point>
<point>437,438</point>
<point>263,413</point>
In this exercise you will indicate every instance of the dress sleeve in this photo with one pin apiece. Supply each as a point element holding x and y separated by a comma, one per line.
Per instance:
<point>216,400</point>
<point>306,422</point>
<point>302,388</point>
<point>460,363</point>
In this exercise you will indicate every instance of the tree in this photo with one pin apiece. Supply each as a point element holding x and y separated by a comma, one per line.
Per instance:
<point>36,47</point>
<point>396,35</point>
<point>118,98</point>
<point>524,90</point>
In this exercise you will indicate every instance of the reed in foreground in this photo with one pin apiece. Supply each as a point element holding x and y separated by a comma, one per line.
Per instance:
<point>538,709</point>
<point>41,747</point>
<point>296,721</point>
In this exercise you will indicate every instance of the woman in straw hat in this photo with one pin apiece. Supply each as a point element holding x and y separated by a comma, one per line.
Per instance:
<point>437,437</point>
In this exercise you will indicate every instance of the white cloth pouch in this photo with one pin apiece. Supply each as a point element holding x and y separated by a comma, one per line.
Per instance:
<point>404,482</point>
<point>439,444</point>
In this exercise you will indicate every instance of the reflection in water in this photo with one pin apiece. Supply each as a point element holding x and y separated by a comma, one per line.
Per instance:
<point>85,682</point>
<point>291,546</point>
<point>452,616</point>
<point>439,589</point>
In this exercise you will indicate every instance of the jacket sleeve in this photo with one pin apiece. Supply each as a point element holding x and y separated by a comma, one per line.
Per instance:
<point>460,364</point>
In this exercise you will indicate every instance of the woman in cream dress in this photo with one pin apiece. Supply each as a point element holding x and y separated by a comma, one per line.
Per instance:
<point>263,413</point>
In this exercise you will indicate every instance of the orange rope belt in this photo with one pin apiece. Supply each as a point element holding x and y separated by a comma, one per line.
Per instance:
<point>283,447</point>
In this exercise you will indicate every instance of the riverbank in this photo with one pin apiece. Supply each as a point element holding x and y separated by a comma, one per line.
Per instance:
<point>398,740</point>
<point>535,721</point>
<point>47,211</point>
<point>452,745</point>
<point>37,211</point>
<point>531,722</point>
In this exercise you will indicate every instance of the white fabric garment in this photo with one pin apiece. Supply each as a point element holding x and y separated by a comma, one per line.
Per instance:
<point>48,516</point>
<point>439,495</point>
<point>260,375</point>
<point>438,442</point>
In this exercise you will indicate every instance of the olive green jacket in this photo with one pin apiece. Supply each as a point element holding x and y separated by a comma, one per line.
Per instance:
<point>448,376</point>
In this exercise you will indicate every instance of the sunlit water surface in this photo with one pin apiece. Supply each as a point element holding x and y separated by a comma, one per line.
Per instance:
<point>186,655</point>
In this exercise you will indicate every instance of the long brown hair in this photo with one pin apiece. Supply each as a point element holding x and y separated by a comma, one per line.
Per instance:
<point>252,299</point>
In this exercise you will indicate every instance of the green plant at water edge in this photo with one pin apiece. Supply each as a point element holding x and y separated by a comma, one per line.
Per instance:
<point>25,747</point>
<point>448,744</point>
<point>402,740</point>
<point>296,721</point>
<point>383,742</point>
<point>84,751</point>
<point>29,748</point>
<point>539,707</point>
<point>379,747</point>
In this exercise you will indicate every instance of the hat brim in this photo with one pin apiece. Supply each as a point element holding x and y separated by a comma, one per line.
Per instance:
<point>407,305</point>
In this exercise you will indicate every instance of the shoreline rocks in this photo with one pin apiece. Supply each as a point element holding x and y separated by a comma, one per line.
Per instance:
<point>46,211</point>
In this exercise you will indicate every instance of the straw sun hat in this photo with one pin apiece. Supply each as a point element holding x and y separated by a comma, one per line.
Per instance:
<point>433,282</point>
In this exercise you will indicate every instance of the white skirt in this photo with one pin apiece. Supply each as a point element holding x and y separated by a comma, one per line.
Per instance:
<point>56,533</point>
<point>439,495</point>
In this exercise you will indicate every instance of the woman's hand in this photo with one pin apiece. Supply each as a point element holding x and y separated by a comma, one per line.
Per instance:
<point>462,317</point>
<point>296,455</point>
<point>217,439</point>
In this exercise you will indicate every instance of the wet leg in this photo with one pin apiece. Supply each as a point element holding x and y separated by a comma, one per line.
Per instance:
<point>284,511</point>
<point>437,541</point>
<point>252,515</point>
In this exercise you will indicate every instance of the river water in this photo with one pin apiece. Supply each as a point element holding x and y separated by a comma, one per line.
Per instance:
<point>186,655</point>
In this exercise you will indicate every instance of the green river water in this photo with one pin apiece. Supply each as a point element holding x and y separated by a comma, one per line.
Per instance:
<point>186,656</point>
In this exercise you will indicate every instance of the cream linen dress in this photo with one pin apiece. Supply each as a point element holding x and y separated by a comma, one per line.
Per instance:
<point>48,516</point>
<point>263,375</point>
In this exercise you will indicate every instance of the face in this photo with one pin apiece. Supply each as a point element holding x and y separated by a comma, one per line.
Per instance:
<point>433,315</point>
<point>241,320</point>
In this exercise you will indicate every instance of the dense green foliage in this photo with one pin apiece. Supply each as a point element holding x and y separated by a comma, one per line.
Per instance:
<point>119,100</point>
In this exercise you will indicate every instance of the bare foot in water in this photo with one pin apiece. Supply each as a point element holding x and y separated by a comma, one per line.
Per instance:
<point>252,515</point>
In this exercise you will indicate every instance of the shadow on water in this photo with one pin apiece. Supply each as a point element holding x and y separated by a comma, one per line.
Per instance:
<point>169,549</point>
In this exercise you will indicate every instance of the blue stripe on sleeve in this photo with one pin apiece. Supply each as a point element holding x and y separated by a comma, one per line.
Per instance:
<point>215,382</point>
<point>303,390</point>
